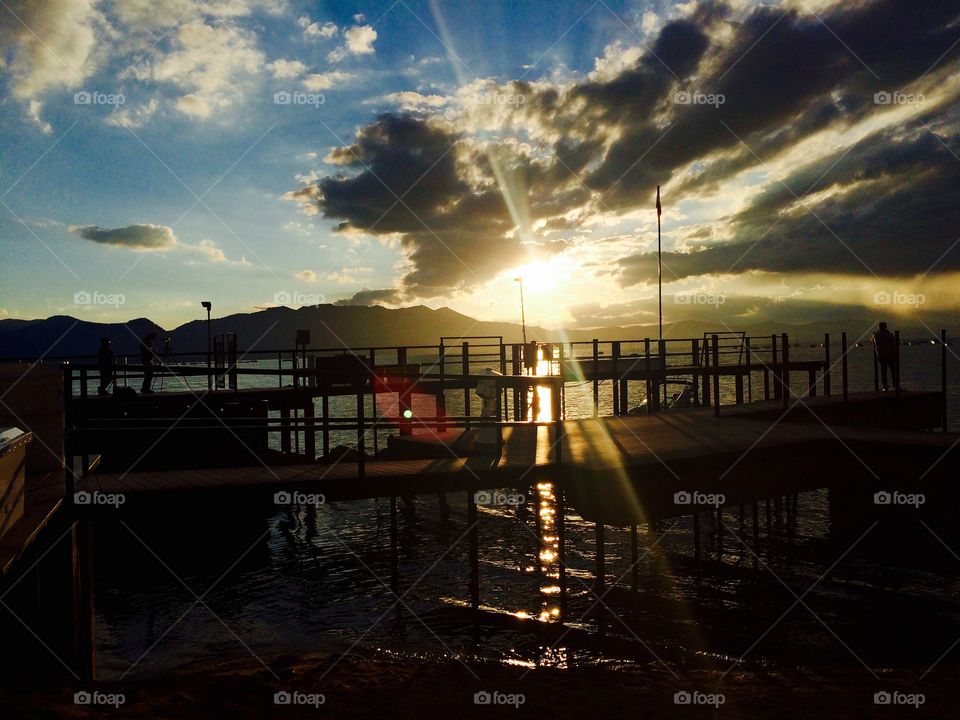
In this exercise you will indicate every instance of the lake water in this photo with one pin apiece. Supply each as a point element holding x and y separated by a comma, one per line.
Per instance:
<point>316,579</point>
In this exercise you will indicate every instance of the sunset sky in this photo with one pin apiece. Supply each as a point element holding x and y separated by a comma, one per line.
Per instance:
<point>400,153</point>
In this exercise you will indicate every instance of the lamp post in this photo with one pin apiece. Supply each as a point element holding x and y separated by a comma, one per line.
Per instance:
<point>523,316</point>
<point>209,306</point>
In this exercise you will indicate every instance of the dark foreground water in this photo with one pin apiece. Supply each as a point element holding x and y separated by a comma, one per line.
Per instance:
<point>316,579</point>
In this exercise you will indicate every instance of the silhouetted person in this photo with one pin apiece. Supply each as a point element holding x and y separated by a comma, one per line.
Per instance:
<point>885,348</point>
<point>530,357</point>
<point>106,361</point>
<point>147,358</point>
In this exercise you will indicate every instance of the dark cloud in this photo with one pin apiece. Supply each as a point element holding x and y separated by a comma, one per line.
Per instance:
<point>612,138</point>
<point>138,237</point>
<point>889,208</point>
<point>413,177</point>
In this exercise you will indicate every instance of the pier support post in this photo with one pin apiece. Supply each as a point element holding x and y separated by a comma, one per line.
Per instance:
<point>285,431</point>
<point>86,632</point>
<point>465,371</point>
<point>843,364</point>
<point>326,426</point>
<point>473,541</point>
<point>596,377</point>
<point>601,560</point>
<point>785,350</point>
<point>943,376</point>
<point>696,535</point>
<point>646,372</point>
<point>615,380</point>
<point>776,370</point>
<point>826,364</point>
<point>394,550</point>
<point>560,522</point>
<point>716,375</point>
<point>309,432</point>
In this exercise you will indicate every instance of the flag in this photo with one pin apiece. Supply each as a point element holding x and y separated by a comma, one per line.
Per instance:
<point>658,201</point>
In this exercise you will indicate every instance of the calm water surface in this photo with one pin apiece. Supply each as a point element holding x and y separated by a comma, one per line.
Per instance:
<point>305,579</point>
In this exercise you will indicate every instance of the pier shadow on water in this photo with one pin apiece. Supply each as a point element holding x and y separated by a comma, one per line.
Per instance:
<point>827,581</point>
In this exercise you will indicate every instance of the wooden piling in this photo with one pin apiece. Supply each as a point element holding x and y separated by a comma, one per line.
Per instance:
<point>826,364</point>
<point>785,354</point>
<point>601,559</point>
<point>596,377</point>
<point>559,521</point>
<point>615,382</point>
<point>843,365</point>
<point>473,540</point>
<point>696,535</point>
<point>943,376</point>
<point>716,375</point>
<point>394,550</point>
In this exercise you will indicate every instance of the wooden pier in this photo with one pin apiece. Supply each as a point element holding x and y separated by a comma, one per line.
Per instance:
<point>763,437</point>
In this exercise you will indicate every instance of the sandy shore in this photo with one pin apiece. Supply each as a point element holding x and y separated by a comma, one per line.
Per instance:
<point>375,685</point>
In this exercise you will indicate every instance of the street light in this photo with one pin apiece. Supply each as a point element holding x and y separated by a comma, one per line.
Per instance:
<point>523,317</point>
<point>209,306</point>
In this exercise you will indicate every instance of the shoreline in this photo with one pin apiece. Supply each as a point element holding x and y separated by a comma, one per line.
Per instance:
<point>376,684</point>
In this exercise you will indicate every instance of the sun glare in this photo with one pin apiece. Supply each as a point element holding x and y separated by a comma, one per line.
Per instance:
<point>538,277</point>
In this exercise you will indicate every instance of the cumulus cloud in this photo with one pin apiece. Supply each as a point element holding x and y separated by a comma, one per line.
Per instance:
<point>134,117</point>
<point>135,237</point>
<point>154,238</point>
<point>283,69</point>
<point>211,64</point>
<point>368,297</point>
<point>316,30</point>
<point>306,275</point>
<point>358,40</point>
<point>48,46</point>
<point>325,81</point>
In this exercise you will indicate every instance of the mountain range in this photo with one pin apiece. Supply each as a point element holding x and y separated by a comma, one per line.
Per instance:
<point>336,326</point>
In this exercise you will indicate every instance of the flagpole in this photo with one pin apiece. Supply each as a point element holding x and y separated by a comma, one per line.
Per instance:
<point>661,352</point>
<point>659,269</point>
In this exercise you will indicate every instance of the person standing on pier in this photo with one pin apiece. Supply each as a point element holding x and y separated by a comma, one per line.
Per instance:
<point>105,361</point>
<point>885,348</point>
<point>147,359</point>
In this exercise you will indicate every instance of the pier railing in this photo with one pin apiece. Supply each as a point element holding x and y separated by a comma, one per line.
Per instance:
<point>750,367</point>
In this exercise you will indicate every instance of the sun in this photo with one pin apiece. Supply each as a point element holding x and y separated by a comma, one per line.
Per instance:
<point>538,277</point>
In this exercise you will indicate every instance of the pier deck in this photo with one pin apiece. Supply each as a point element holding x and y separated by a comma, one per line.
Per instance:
<point>629,458</point>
